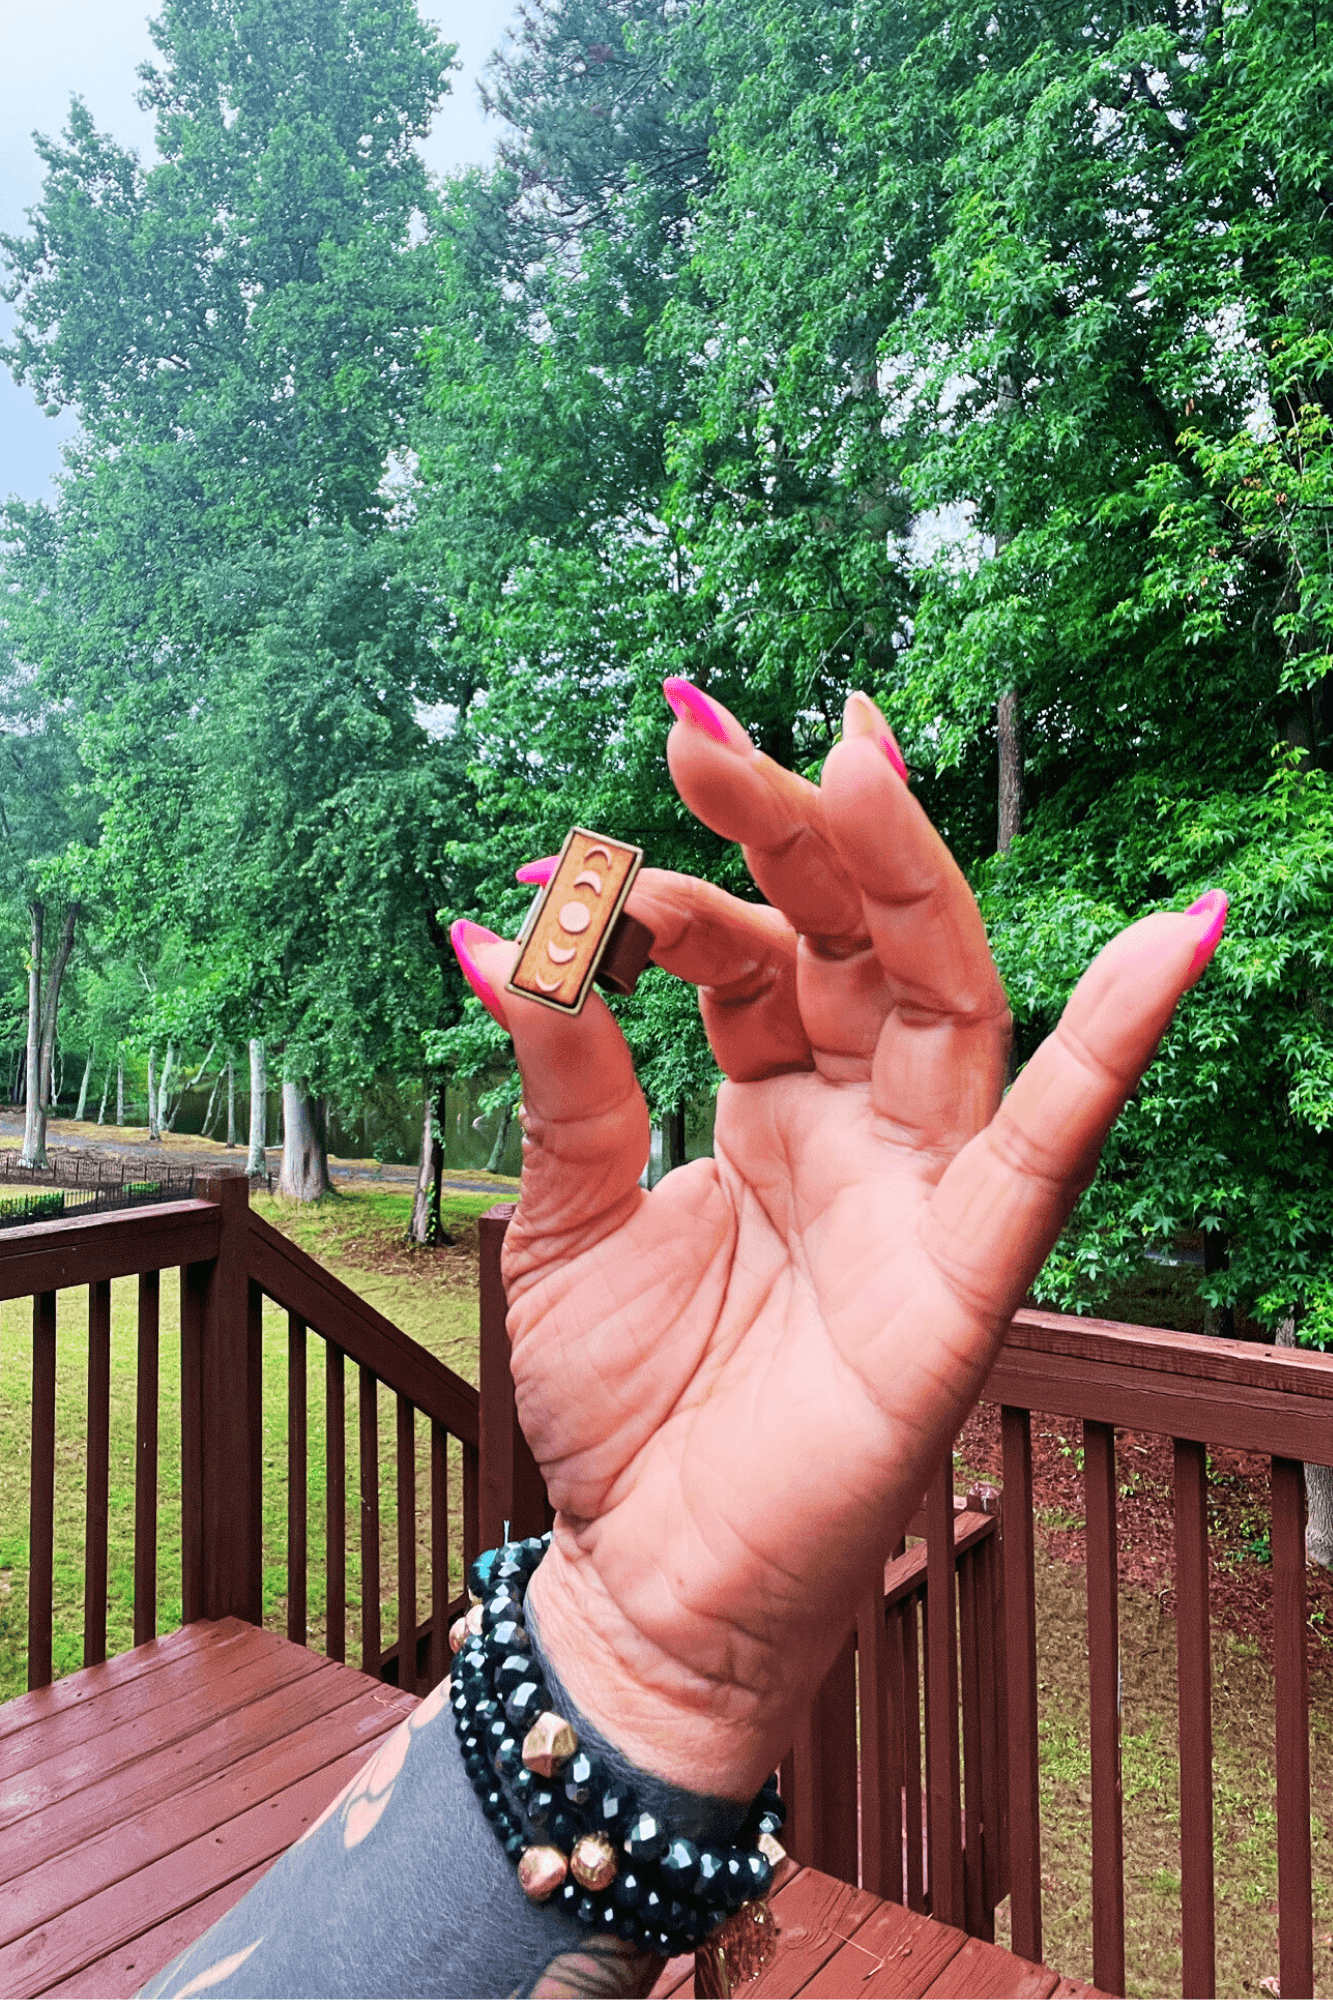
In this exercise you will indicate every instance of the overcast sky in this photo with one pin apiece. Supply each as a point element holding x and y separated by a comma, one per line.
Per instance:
<point>92,48</point>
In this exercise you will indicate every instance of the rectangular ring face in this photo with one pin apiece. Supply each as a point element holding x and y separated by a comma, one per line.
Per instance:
<point>567,929</point>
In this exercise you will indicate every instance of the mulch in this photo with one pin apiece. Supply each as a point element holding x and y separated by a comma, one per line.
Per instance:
<point>1241,1581</point>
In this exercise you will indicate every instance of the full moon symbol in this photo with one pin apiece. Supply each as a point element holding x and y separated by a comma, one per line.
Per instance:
<point>574,917</point>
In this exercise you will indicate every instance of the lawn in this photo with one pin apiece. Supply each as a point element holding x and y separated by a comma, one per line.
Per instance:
<point>361,1235</point>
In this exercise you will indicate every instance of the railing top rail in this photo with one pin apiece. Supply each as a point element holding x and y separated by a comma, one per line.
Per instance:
<point>47,1256</point>
<point>333,1310</point>
<point>1277,1400</point>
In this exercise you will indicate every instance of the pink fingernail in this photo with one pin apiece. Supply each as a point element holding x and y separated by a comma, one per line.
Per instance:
<point>465,936</point>
<point>1214,905</point>
<point>538,871</point>
<point>690,704</point>
<point>888,743</point>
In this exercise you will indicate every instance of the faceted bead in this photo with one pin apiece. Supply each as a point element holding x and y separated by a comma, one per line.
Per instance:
<point>549,1744</point>
<point>494,1736</point>
<point>513,1668</point>
<point>526,1703</point>
<point>613,1805</point>
<point>645,1837</point>
<point>493,1800</point>
<point>629,1890</point>
<point>593,1861</point>
<point>589,1909</point>
<point>539,1806</point>
<point>565,1829</point>
<point>523,1784</point>
<point>515,1843</point>
<point>772,1850</point>
<point>482,1570</point>
<point>509,1636</point>
<point>507,1756</point>
<point>771,1822</point>
<point>746,1874</point>
<point>457,1634</point>
<point>581,1775</point>
<point>680,1866</point>
<point>541,1871</point>
<point>471,1743</point>
<point>485,1710</point>
<point>681,1920</point>
<point>708,1883</point>
<point>626,1924</point>
<point>568,1897</point>
<point>509,1570</point>
<point>531,1551</point>
<point>499,1607</point>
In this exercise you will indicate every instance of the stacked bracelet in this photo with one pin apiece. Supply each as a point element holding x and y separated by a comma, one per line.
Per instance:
<point>573,1828</point>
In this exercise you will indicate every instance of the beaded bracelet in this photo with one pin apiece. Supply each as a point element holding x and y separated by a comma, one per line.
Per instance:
<point>573,1828</point>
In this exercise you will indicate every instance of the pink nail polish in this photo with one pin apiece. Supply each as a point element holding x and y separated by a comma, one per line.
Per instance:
<point>690,704</point>
<point>465,936</point>
<point>538,871</point>
<point>1214,905</point>
<point>888,743</point>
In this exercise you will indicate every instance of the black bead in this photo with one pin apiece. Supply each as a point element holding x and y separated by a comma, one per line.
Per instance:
<point>626,1925</point>
<point>493,1799</point>
<point>471,1743</point>
<point>515,1844</point>
<point>509,1636</point>
<point>629,1889</point>
<point>645,1837</point>
<point>512,1670</point>
<point>539,1804</point>
<point>531,1551</point>
<point>589,1909</point>
<point>528,1700</point>
<point>567,1896</point>
<point>482,1570</point>
<point>708,1880</point>
<point>525,1782</point>
<point>769,1823</point>
<point>679,1867</point>
<point>500,1606</point>
<point>565,1828</point>
<point>745,1874</point>
<point>581,1776</point>
<point>507,1757</point>
<point>496,1732</point>
<point>485,1710</point>
<point>613,1805</point>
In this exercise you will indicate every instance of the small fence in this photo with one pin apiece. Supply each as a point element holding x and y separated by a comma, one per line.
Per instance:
<point>77,1184</point>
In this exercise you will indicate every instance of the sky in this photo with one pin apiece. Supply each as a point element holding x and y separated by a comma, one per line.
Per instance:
<point>92,48</point>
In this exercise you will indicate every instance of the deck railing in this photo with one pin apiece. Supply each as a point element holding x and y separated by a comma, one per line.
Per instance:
<point>229,1260</point>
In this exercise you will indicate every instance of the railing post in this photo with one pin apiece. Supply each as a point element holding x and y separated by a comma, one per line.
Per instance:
<point>511,1486</point>
<point>227,1451</point>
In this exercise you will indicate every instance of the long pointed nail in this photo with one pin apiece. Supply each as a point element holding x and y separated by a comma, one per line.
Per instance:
<point>690,704</point>
<point>860,717</point>
<point>465,936</point>
<point>1213,905</point>
<point>538,871</point>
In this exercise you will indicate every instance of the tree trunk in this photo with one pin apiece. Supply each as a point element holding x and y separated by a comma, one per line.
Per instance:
<point>425,1214</point>
<point>305,1157</point>
<point>164,1090</point>
<point>1009,732</point>
<point>673,1136</point>
<point>206,1130</point>
<point>231,1101</point>
<point>257,1163</point>
<point>154,1130</point>
<point>501,1141</point>
<point>82,1105</point>
<point>51,1003</point>
<point>120,1086</point>
<point>33,1153</point>
<point>106,1092</point>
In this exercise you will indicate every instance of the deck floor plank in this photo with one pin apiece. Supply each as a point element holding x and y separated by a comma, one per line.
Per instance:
<point>981,1971</point>
<point>123,1971</point>
<point>911,1950</point>
<point>22,1711</point>
<point>815,1916</point>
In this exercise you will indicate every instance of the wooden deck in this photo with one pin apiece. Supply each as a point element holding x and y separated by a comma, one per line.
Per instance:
<point>141,1798</point>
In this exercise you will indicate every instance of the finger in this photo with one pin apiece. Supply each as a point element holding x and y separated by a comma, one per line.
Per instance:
<point>741,956</point>
<point>585,1123</point>
<point>999,1208</point>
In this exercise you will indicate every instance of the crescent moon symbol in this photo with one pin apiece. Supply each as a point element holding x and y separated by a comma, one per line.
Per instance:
<point>593,852</point>
<point>560,954</point>
<point>589,879</point>
<point>547,985</point>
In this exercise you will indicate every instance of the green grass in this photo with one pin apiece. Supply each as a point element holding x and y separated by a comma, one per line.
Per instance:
<point>361,1236</point>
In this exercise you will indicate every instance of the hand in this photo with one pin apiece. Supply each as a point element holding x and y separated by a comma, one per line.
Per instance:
<point>738,1385</point>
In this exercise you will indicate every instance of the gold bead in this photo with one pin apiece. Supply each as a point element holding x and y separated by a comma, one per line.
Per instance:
<point>472,1623</point>
<point>457,1634</point>
<point>593,1861</point>
<point>541,1870</point>
<point>549,1743</point>
<point>772,1850</point>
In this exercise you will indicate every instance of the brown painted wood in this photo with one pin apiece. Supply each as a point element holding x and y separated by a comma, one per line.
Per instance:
<point>1108,1854</point>
<point>94,1924</point>
<point>1291,1686</point>
<point>193,1279</point>
<point>796,1781</point>
<point>980,1971</point>
<point>969,1665</point>
<point>835,1778</point>
<point>130,1966</point>
<point>76,1691</point>
<point>1020,1624</point>
<point>335,1501</point>
<point>42,1489</point>
<point>298,1472</point>
<point>145,1459</point>
<point>439,1555</point>
<point>881,1769</point>
<point>990,1642</point>
<point>52,1256</point>
<point>407,1546</point>
<point>229,1442</point>
<point>370,1522</point>
<point>512,1487</point>
<point>97,1459</point>
<point>1269,1399</point>
<point>1195,1705</point>
<point>894,1952</point>
<point>942,1766</point>
<point>296,1282</point>
<point>815,1914</point>
<point>909,1614</point>
<point>471,1504</point>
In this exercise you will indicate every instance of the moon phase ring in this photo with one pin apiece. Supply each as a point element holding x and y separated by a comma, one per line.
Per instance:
<point>578,930</point>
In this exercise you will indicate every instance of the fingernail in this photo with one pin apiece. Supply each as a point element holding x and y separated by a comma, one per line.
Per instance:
<point>860,717</point>
<point>1214,905</point>
<point>465,937</point>
<point>888,743</point>
<point>538,871</point>
<point>690,704</point>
